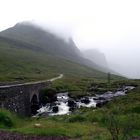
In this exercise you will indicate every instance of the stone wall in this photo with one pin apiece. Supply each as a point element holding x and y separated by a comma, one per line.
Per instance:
<point>18,98</point>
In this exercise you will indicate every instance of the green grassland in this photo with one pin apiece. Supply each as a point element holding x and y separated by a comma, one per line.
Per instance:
<point>118,118</point>
<point>19,64</point>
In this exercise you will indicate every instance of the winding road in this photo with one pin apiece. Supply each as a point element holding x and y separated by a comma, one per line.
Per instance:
<point>32,83</point>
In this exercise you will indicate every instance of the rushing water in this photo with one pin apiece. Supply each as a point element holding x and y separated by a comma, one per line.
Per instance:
<point>65,104</point>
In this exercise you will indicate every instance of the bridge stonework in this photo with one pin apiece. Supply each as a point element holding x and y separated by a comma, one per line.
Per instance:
<point>19,98</point>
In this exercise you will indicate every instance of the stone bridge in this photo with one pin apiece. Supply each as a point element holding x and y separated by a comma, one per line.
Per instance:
<point>23,98</point>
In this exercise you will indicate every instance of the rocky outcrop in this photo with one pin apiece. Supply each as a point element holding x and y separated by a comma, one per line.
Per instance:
<point>85,100</point>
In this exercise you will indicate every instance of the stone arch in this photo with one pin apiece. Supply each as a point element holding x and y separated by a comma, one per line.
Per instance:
<point>34,104</point>
<point>34,99</point>
<point>33,94</point>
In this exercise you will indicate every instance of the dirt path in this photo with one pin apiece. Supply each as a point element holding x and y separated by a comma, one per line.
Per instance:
<point>32,83</point>
<point>4,135</point>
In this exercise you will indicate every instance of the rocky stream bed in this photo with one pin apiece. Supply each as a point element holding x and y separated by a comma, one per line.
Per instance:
<point>66,105</point>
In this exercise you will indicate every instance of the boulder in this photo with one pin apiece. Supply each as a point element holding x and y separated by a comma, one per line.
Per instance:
<point>55,109</point>
<point>85,100</point>
<point>101,103</point>
<point>72,104</point>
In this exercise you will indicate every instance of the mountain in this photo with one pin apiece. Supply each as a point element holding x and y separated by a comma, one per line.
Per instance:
<point>96,56</point>
<point>99,58</point>
<point>47,42</point>
<point>28,52</point>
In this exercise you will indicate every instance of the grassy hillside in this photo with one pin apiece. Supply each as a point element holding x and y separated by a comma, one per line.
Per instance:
<point>39,39</point>
<point>18,62</point>
<point>28,52</point>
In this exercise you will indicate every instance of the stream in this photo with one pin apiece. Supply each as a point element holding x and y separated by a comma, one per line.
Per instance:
<point>66,105</point>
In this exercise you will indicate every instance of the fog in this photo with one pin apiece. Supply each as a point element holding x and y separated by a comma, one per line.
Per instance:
<point>113,27</point>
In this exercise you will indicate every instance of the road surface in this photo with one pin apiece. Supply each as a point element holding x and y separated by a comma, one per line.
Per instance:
<point>32,83</point>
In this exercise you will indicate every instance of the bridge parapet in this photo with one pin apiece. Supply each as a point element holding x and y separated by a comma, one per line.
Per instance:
<point>18,98</point>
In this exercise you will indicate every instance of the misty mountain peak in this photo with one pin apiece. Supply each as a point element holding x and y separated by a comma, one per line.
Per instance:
<point>96,56</point>
<point>33,34</point>
<point>31,26</point>
<point>24,23</point>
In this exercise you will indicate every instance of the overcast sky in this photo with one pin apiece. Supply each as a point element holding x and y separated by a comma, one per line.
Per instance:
<point>112,26</point>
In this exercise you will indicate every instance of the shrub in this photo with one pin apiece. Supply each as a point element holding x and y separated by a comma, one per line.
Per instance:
<point>136,109</point>
<point>5,120</point>
<point>77,118</point>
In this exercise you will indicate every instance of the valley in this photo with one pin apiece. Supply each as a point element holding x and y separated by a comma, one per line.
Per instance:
<point>61,92</point>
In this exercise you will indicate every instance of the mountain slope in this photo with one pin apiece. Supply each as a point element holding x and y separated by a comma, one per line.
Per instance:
<point>96,56</point>
<point>27,52</point>
<point>32,34</point>
<point>48,43</point>
<point>19,63</point>
<point>99,58</point>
